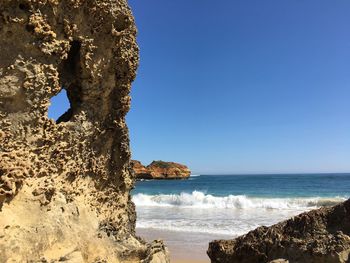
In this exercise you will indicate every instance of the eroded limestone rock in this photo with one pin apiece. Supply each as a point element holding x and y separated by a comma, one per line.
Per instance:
<point>318,236</point>
<point>65,186</point>
<point>160,170</point>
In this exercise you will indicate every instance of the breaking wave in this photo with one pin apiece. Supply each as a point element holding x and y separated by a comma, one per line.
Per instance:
<point>198,199</point>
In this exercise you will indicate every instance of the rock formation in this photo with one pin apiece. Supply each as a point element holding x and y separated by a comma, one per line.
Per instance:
<point>160,170</point>
<point>318,236</point>
<point>65,186</point>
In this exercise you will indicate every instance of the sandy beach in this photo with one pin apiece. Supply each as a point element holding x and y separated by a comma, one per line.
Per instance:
<point>184,247</point>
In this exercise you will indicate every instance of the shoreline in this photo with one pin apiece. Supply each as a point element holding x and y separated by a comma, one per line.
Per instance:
<point>184,247</point>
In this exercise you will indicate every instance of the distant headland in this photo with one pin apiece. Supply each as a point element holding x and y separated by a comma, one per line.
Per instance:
<point>160,170</point>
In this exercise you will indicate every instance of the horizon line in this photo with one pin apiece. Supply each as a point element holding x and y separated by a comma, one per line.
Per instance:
<point>273,173</point>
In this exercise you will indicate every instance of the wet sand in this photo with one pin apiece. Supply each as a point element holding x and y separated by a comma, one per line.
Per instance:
<point>184,247</point>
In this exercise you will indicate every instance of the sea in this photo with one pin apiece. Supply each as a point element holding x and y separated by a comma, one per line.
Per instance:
<point>187,214</point>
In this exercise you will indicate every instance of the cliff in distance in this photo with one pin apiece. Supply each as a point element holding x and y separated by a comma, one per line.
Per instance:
<point>160,170</point>
<point>65,185</point>
<point>318,236</point>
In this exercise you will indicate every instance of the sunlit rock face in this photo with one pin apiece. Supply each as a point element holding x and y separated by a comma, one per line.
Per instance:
<point>65,185</point>
<point>160,170</point>
<point>319,236</point>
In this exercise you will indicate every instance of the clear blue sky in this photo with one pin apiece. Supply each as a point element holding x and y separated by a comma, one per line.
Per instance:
<point>243,86</point>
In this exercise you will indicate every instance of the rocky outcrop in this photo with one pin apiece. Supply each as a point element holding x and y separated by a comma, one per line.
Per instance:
<point>160,170</point>
<point>65,185</point>
<point>318,236</point>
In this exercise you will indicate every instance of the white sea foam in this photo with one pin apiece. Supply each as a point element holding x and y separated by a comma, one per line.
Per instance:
<point>198,199</point>
<point>232,215</point>
<point>200,227</point>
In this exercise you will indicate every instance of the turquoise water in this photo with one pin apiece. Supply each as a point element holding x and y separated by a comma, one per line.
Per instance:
<point>233,204</point>
<point>276,185</point>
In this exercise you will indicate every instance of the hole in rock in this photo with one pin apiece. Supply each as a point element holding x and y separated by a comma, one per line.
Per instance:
<point>69,98</point>
<point>30,28</point>
<point>59,109</point>
<point>73,59</point>
<point>23,6</point>
<point>122,23</point>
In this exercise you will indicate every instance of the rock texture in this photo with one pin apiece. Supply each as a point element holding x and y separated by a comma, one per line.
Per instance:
<point>319,236</point>
<point>65,186</point>
<point>160,170</point>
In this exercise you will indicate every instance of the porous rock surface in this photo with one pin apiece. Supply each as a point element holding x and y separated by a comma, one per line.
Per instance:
<point>318,236</point>
<point>160,170</point>
<point>65,186</point>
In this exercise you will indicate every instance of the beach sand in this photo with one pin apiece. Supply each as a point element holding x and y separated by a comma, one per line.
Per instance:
<point>184,247</point>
